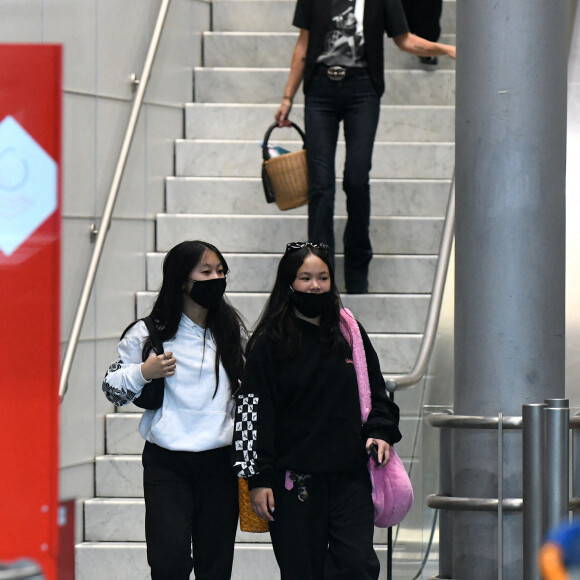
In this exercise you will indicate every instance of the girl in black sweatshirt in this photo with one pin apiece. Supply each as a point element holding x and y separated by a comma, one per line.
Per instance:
<point>298,436</point>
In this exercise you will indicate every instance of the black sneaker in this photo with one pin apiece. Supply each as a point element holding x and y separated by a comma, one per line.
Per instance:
<point>429,60</point>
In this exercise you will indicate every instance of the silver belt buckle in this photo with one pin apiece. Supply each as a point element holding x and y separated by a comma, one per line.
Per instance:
<point>336,73</point>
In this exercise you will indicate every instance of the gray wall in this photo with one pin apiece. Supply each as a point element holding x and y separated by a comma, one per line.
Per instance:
<point>105,41</point>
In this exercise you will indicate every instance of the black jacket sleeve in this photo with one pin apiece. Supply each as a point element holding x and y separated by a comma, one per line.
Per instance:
<point>383,420</point>
<point>254,426</point>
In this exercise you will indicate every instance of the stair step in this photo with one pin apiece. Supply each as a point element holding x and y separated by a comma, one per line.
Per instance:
<point>277,15</point>
<point>256,273</point>
<point>123,436</point>
<point>270,49</point>
<point>123,520</point>
<point>254,234</point>
<point>397,123</point>
<point>124,560</point>
<point>253,85</point>
<point>215,158</point>
<point>245,195</point>
<point>119,476</point>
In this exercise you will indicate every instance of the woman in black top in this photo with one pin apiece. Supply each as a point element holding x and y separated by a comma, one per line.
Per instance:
<point>339,58</point>
<point>298,436</point>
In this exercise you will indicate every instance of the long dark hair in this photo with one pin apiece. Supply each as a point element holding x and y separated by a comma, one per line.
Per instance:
<point>222,320</point>
<point>278,322</point>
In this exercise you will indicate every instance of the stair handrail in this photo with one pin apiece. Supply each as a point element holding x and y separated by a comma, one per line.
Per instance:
<point>101,234</point>
<point>398,382</point>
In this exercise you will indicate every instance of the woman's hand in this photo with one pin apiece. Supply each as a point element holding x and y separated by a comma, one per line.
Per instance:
<point>283,112</point>
<point>383,448</point>
<point>262,499</point>
<point>158,366</point>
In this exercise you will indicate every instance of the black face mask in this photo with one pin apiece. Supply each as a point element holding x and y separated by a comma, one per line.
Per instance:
<point>309,304</point>
<point>208,293</point>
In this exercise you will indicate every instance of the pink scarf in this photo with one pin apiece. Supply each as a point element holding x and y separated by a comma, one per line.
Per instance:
<point>391,488</point>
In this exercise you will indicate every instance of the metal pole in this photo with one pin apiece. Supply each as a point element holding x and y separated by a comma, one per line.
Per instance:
<point>576,465</point>
<point>391,396</point>
<point>500,496</point>
<point>445,516</point>
<point>533,489</point>
<point>557,452</point>
<point>110,203</point>
<point>510,242</point>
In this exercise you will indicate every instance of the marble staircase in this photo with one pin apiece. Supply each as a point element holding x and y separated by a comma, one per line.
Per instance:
<point>216,195</point>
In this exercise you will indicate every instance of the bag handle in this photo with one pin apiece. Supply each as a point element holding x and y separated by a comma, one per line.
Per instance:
<point>265,154</point>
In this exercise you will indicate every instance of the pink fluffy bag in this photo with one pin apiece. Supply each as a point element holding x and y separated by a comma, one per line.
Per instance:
<point>392,490</point>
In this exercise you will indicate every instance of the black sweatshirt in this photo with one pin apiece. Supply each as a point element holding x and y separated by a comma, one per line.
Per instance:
<point>302,412</point>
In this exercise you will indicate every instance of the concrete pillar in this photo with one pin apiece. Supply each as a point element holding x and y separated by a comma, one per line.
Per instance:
<point>510,253</point>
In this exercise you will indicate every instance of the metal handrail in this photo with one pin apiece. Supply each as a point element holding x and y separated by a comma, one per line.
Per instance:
<point>398,382</point>
<point>111,199</point>
<point>473,422</point>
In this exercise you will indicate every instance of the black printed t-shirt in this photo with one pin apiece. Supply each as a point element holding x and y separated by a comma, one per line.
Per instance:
<point>344,41</point>
<point>379,16</point>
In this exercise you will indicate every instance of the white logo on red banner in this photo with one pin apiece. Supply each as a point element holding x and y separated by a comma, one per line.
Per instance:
<point>28,185</point>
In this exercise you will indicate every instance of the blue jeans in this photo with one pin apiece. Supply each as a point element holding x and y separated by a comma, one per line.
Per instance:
<point>355,102</point>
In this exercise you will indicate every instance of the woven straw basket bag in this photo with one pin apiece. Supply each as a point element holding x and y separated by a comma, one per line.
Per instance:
<point>285,178</point>
<point>249,521</point>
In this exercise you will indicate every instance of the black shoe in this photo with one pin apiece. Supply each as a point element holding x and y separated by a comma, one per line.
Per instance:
<point>357,291</point>
<point>429,60</point>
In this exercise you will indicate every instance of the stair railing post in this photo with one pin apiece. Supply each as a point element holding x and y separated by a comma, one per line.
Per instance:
<point>576,466</point>
<point>533,486</point>
<point>557,453</point>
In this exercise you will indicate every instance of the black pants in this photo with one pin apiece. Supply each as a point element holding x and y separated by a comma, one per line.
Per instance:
<point>355,102</point>
<point>189,498</point>
<point>329,534</point>
<point>423,17</point>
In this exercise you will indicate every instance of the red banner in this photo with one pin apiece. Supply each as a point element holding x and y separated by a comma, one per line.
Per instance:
<point>30,201</point>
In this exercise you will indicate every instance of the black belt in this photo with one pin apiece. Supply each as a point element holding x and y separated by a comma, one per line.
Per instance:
<point>339,73</point>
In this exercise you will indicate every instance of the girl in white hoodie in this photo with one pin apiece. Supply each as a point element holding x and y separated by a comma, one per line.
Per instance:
<point>189,487</point>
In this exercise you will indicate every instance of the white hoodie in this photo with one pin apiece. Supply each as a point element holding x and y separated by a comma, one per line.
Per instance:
<point>191,418</point>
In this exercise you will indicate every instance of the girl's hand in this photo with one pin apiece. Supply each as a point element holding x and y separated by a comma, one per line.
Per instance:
<point>384,450</point>
<point>262,499</point>
<point>158,366</point>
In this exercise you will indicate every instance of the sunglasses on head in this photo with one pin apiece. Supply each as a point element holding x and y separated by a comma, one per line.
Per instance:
<point>294,246</point>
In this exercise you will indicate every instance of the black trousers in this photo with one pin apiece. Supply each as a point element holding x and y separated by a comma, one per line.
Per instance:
<point>423,17</point>
<point>355,102</point>
<point>190,499</point>
<point>329,534</point>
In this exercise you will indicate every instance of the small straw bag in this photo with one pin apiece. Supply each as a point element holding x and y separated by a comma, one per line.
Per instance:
<point>249,521</point>
<point>285,178</point>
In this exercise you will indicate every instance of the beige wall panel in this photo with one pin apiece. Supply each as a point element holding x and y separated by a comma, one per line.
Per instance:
<point>112,119</point>
<point>123,33</point>
<point>78,40</point>
<point>79,142</point>
<point>21,21</point>
<point>77,411</point>
<point>76,253</point>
